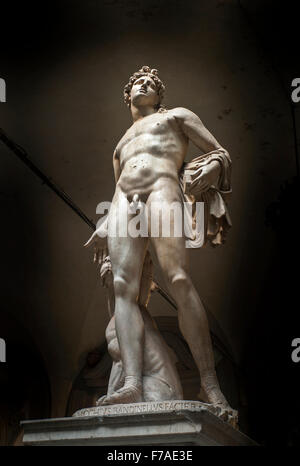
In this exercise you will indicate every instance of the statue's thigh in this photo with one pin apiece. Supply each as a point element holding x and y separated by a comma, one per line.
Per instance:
<point>171,254</point>
<point>126,253</point>
<point>127,256</point>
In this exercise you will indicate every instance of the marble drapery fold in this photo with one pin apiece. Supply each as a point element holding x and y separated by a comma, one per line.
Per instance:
<point>217,220</point>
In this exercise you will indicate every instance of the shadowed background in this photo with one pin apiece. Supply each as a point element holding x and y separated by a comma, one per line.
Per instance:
<point>65,67</point>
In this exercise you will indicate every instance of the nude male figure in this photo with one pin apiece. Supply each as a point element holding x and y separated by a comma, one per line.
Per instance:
<point>147,162</point>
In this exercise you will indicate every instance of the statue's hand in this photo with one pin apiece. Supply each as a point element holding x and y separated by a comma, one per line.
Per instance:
<point>205,177</point>
<point>100,245</point>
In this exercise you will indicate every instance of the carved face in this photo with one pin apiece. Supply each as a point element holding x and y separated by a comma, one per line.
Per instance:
<point>144,92</point>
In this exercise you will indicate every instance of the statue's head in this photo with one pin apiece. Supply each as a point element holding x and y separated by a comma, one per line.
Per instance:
<point>145,88</point>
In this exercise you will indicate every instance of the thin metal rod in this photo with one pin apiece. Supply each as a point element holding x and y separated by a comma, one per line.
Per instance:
<point>165,295</point>
<point>23,156</point>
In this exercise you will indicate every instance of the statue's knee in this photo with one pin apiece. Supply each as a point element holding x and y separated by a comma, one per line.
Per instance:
<point>125,289</point>
<point>179,279</point>
<point>120,285</point>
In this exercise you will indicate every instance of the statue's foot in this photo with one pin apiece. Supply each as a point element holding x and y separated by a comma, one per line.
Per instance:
<point>129,393</point>
<point>227,414</point>
<point>216,399</point>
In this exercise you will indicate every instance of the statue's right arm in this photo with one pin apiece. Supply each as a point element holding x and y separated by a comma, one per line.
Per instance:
<point>99,241</point>
<point>116,165</point>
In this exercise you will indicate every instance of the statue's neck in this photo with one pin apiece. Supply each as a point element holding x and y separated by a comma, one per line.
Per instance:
<point>140,112</point>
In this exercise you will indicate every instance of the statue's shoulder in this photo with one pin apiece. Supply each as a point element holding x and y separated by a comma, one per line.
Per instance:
<point>181,113</point>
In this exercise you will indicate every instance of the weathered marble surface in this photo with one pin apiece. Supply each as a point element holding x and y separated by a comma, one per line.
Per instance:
<point>150,423</point>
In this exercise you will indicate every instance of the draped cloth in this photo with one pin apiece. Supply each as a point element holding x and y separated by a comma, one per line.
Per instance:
<point>216,216</point>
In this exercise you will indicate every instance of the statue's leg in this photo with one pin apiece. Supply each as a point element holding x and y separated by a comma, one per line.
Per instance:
<point>161,380</point>
<point>127,256</point>
<point>172,257</point>
<point>116,378</point>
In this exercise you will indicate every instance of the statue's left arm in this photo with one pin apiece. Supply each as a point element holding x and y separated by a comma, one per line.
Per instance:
<point>194,130</point>
<point>206,178</point>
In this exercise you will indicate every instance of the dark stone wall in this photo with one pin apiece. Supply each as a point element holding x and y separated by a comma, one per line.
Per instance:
<point>65,64</point>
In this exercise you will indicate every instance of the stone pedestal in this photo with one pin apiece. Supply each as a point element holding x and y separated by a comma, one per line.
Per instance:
<point>172,423</point>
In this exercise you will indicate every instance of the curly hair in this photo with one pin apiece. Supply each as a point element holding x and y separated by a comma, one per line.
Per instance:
<point>145,71</point>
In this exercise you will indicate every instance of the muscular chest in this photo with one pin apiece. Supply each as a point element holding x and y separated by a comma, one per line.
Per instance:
<point>149,134</point>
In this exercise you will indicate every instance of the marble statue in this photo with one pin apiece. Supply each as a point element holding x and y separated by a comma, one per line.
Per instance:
<point>150,168</point>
